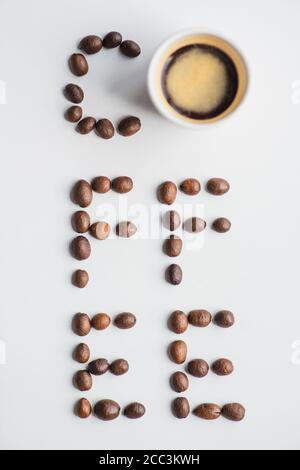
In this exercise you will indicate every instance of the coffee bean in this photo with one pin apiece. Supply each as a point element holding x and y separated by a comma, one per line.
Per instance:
<point>105,129</point>
<point>234,411</point>
<point>119,367</point>
<point>190,186</point>
<point>101,184</point>
<point>81,324</point>
<point>178,352</point>
<point>125,320</point>
<point>174,274</point>
<point>134,410</point>
<point>178,322</point>
<point>73,93</point>
<point>100,230</point>
<point>90,44</point>
<point>200,318</point>
<point>171,220</point>
<point>198,368</point>
<point>208,411</point>
<point>80,278</point>
<point>179,382</point>
<point>194,225</point>
<point>221,225</point>
<point>82,193</point>
<point>81,353</point>
<point>78,65</point>
<point>86,125</point>
<point>98,366</point>
<point>129,126</point>
<point>167,192</point>
<point>223,367</point>
<point>217,186</point>
<point>81,221</point>
<point>181,407</point>
<point>83,380</point>
<point>130,48</point>
<point>101,321</point>
<point>107,410</point>
<point>73,114</point>
<point>112,40</point>
<point>81,248</point>
<point>224,319</point>
<point>173,246</point>
<point>83,408</point>
<point>126,229</point>
<point>122,184</point>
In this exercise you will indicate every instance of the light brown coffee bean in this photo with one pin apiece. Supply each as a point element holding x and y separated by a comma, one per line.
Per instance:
<point>81,324</point>
<point>125,320</point>
<point>100,230</point>
<point>222,367</point>
<point>81,248</point>
<point>101,321</point>
<point>178,351</point>
<point>122,184</point>
<point>83,380</point>
<point>179,382</point>
<point>191,186</point>
<point>129,126</point>
<point>90,44</point>
<point>126,229</point>
<point>194,225</point>
<point>80,278</point>
<point>81,353</point>
<point>174,274</point>
<point>73,93</point>
<point>217,186</point>
<point>98,366</point>
<point>112,40</point>
<point>178,322</point>
<point>83,408</point>
<point>105,129</point>
<point>130,48</point>
<point>78,65</point>
<point>107,410</point>
<point>181,407</point>
<point>200,318</point>
<point>224,319</point>
<point>221,225</point>
<point>81,221</point>
<point>172,246</point>
<point>73,114</point>
<point>119,367</point>
<point>234,412</point>
<point>134,410</point>
<point>167,192</point>
<point>171,220</point>
<point>101,184</point>
<point>198,368</point>
<point>86,125</point>
<point>208,411</point>
<point>82,193</point>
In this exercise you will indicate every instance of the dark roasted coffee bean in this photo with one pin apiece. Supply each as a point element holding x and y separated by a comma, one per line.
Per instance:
<point>171,220</point>
<point>173,246</point>
<point>86,125</point>
<point>224,319</point>
<point>125,320</point>
<point>81,353</point>
<point>101,321</point>
<point>178,322</point>
<point>178,352</point>
<point>81,324</point>
<point>81,248</point>
<point>167,192</point>
<point>222,367</point>
<point>126,229</point>
<point>174,274</point>
<point>221,225</point>
<point>181,407</point>
<point>130,48</point>
<point>80,278</point>
<point>105,129</point>
<point>190,186</point>
<point>73,114</point>
<point>200,318</point>
<point>179,382</point>
<point>81,221</point>
<point>194,225</point>
<point>217,186</point>
<point>78,65</point>
<point>134,410</point>
<point>234,411</point>
<point>73,93</point>
<point>98,366</point>
<point>82,193</point>
<point>101,184</point>
<point>198,368</point>
<point>112,40</point>
<point>83,380</point>
<point>100,230</point>
<point>90,44</point>
<point>122,184</point>
<point>119,367</point>
<point>208,411</point>
<point>83,408</point>
<point>107,410</point>
<point>129,126</point>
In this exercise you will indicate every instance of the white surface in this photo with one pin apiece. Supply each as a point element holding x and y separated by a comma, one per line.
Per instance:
<point>254,270</point>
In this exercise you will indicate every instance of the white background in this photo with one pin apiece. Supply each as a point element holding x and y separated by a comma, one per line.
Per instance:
<point>253,270</point>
